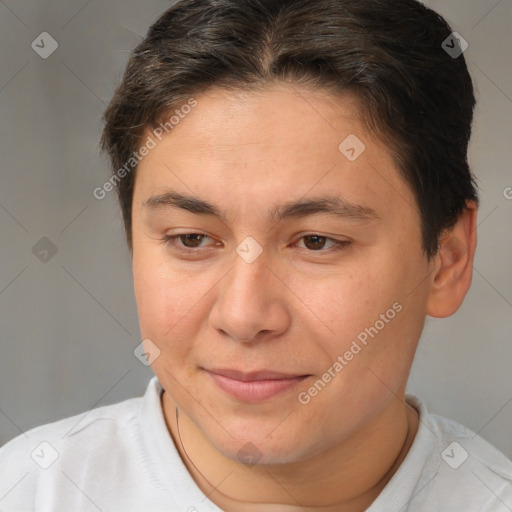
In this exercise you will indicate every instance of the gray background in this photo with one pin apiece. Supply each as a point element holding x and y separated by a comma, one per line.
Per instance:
<point>69,325</point>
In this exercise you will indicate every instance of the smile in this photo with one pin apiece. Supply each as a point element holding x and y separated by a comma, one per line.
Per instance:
<point>254,386</point>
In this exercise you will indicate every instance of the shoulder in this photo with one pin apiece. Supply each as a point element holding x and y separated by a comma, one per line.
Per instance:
<point>117,457</point>
<point>40,454</point>
<point>102,422</point>
<point>465,469</point>
<point>473,446</point>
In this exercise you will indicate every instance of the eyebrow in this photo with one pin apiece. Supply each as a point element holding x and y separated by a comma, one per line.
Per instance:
<point>330,205</point>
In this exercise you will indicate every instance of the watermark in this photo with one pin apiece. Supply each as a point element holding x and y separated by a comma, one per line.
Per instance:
<point>352,147</point>
<point>44,45</point>
<point>455,45</point>
<point>144,150</point>
<point>454,455</point>
<point>249,454</point>
<point>249,250</point>
<point>44,455</point>
<point>342,361</point>
<point>146,352</point>
<point>44,250</point>
<point>507,193</point>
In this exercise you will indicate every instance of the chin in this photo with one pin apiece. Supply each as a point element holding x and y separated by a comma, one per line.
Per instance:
<point>254,447</point>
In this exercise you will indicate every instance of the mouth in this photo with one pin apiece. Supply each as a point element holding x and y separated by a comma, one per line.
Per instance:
<point>255,386</point>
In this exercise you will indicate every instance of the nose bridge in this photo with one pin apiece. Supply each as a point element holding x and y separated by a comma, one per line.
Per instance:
<point>249,267</point>
<point>248,299</point>
<point>247,282</point>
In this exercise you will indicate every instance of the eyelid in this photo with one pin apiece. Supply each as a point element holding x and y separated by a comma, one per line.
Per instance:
<point>171,240</point>
<point>337,244</point>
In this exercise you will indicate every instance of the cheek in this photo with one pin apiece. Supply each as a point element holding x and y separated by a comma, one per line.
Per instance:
<point>159,297</point>
<point>171,302</point>
<point>369,305</point>
<point>348,301</point>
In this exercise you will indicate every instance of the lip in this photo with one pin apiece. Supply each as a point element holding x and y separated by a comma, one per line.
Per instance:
<point>254,386</point>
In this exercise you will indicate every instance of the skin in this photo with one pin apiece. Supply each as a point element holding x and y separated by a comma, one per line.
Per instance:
<point>294,309</point>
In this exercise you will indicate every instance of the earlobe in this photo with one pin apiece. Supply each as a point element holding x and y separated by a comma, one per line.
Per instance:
<point>453,265</point>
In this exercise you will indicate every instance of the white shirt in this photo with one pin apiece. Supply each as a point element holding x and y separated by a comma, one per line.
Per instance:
<point>122,458</point>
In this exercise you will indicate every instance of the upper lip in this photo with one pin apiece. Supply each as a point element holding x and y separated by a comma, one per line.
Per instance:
<point>255,375</point>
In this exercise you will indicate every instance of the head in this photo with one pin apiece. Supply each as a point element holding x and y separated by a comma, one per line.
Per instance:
<point>244,125</point>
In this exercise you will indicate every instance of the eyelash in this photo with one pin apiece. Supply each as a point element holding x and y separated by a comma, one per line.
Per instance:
<point>171,241</point>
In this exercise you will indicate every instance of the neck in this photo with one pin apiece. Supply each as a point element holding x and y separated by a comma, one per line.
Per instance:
<point>347,478</point>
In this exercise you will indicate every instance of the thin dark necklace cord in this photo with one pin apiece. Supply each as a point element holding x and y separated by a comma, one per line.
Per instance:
<point>216,489</point>
<point>191,462</point>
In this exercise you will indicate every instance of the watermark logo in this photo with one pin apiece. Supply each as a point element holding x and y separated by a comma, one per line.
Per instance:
<point>455,45</point>
<point>454,455</point>
<point>44,455</point>
<point>44,250</point>
<point>147,352</point>
<point>249,454</point>
<point>44,45</point>
<point>352,148</point>
<point>249,250</point>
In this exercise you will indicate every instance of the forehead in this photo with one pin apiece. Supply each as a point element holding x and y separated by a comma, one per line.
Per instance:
<point>267,147</point>
<point>279,116</point>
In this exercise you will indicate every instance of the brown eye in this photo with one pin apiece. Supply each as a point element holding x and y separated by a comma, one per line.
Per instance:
<point>322,244</point>
<point>315,242</point>
<point>194,239</point>
<point>189,243</point>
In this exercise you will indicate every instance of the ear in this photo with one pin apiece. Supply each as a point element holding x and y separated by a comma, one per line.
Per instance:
<point>452,267</point>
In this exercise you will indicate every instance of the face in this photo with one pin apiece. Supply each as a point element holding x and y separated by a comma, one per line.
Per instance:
<point>278,270</point>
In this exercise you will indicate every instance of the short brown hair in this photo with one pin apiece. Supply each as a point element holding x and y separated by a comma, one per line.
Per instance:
<point>390,54</point>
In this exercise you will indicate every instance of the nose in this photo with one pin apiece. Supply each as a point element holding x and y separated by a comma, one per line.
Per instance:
<point>251,302</point>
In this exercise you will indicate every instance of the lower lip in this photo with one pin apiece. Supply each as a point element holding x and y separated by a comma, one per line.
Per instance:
<point>256,390</point>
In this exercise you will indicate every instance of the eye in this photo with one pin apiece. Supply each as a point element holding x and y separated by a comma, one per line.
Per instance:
<point>316,243</point>
<point>192,242</point>
<point>186,241</point>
